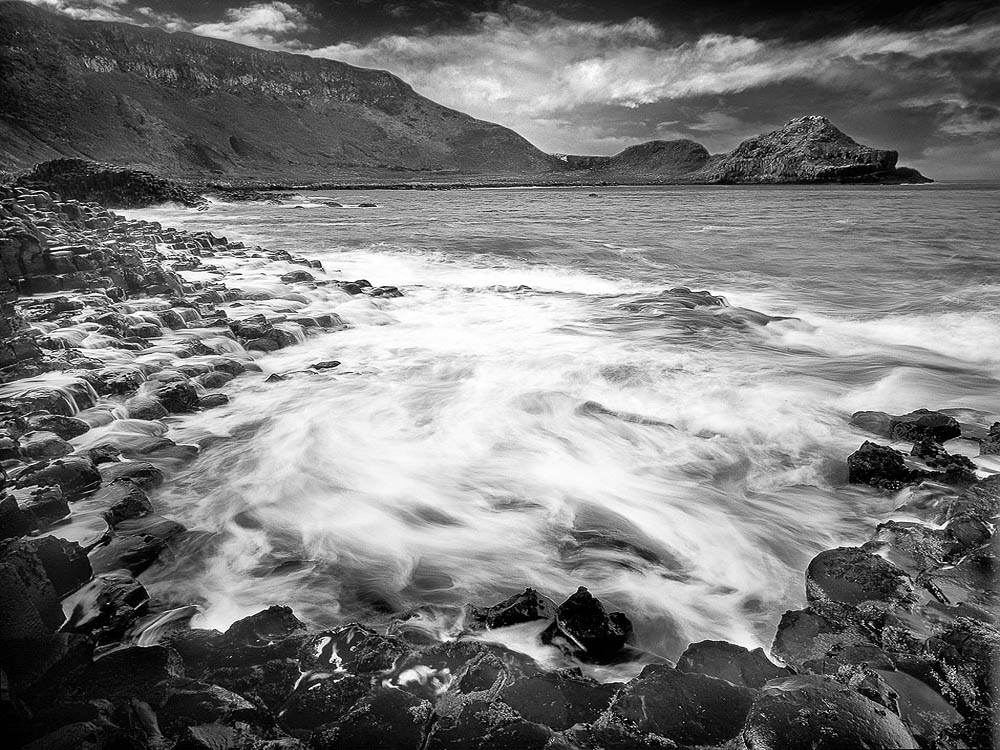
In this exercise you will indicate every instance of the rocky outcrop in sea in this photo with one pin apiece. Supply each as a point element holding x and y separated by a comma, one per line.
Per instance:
<point>895,646</point>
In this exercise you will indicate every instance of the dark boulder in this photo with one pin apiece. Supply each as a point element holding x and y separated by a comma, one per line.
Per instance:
<point>881,467</point>
<point>559,700</point>
<point>990,445</point>
<point>30,603</point>
<point>524,607</point>
<point>36,445</point>
<point>316,702</point>
<point>293,277</point>
<point>13,521</point>
<point>212,400</point>
<point>584,628</point>
<point>42,506</point>
<point>267,684</point>
<point>272,624</point>
<point>74,475</point>
<point>145,407</point>
<point>685,707</point>
<point>922,424</point>
<point>134,553</point>
<point>484,724</point>
<point>178,397</point>
<point>65,427</point>
<point>352,648</point>
<point>122,500</point>
<point>142,473</point>
<point>187,702</point>
<point>106,606</point>
<point>853,576</point>
<point>815,713</point>
<point>386,719</point>
<point>824,627</point>
<point>65,563</point>
<point>730,662</point>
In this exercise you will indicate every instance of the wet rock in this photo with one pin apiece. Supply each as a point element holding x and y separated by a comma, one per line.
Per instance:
<point>134,672</point>
<point>13,521</point>
<point>917,425</point>
<point>482,724</point>
<point>730,662</point>
<point>325,365</point>
<point>118,380</point>
<point>610,732</point>
<point>268,684</point>
<point>812,633</point>
<point>190,702</point>
<point>954,469</point>
<point>297,276</point>
<point>37,445</point>
<point>74,475</point>
<point>990,445</point>
<point>214,379</point>
<point>853,576</point>
<point>152,524</point>
<point>42,506</point>
<point>106,607</point>
<point>84,735</point>
<point>178,397</point>
<point>387,719</point>
<point>272,624</point>
<point>321,701</point>
<point>65,563</point>
<point>559,700</point>
<point>352,648</point>
<point>103,454</point>
<point>385,291</point>
<point>133,553</point>
<point>143,474</point>
<point>43,661</point>
<point>688,708</point>
<point>212,400</point>
<point>145,407</point>
<point>52,400</point>
<point>585,628</point>
<point>881,467</point>
<point>524,607</point>
<point>30,604</point>
<point>816,713</point>
<point>122,499</point>
<point>198,648</point>
<point>65,427</point>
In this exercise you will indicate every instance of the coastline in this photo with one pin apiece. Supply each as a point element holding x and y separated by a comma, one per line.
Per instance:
<point>269,680</point>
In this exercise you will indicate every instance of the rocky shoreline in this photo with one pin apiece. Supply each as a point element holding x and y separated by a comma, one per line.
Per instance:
<point>895,647</point>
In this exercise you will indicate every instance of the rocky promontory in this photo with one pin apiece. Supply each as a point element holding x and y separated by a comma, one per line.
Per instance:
<point>894,645</point>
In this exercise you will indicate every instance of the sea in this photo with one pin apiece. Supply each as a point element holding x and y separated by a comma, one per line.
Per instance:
<point>540,410</point>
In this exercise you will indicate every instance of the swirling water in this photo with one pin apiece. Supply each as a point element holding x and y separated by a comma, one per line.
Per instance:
<point>531,413</point>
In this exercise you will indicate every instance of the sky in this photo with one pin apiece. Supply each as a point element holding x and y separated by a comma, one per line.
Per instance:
<point>586,77</point>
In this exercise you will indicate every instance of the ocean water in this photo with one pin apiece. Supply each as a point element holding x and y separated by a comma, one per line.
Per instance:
<point>534,412</point>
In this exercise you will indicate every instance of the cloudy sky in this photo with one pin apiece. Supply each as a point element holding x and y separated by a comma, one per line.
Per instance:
<point>581,76</point>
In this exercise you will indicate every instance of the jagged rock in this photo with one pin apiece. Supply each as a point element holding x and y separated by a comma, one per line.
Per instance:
<point>814,632</point>
<point>322,701</point>
<point>815,713</point>
<point>122,500</point>
<point>990,445</point>
<point>918,425</point>
<point>685,707</point>
<point>267,684</point>
<point>524,607</point>
<point>881,467</point>
<point>272,624</point>
<point>134,553</point>
<point>178,397</point>
<point>352,648</point>
<point>65,427</point>
<point>212,400</point>
<point>134,672</point>
<point>74,475</point>
<point>13,521</point>
<point>142,473</point>
<point>730,662</point>
<point>190,702</point>
<point>65,563</point>
<point>38,445</point>
<point>30,604</point>
<point>584,627</point>
<point>41,505</point>
<point>486,725</point>
<point>46,659</point>
<point>853,576</point>
<point>106,606</point>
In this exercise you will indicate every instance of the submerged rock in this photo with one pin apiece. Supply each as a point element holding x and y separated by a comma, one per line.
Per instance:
<point>922,424</point>
<point>524,607</point>
<point>730,662</point>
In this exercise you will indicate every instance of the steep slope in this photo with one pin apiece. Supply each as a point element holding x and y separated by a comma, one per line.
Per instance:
<point>187,106</point>
<point>807,149</point>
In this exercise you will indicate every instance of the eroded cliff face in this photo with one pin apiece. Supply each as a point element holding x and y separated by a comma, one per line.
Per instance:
<point>187,106</point>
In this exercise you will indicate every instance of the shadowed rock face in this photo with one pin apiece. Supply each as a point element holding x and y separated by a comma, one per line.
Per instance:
<point>807,149</point>
<point>189,106</point>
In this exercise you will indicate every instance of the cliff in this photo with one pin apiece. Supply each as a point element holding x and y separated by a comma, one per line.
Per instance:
<point>186,106</point>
